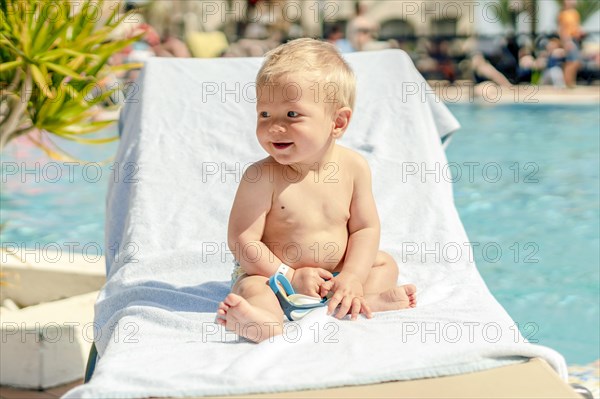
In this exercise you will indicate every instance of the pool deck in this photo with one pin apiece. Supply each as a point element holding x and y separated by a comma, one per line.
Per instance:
<point>464,92</point>
<point>50,393</point>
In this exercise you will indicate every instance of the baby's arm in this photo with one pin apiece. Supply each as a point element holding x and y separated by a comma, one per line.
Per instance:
<point>363,225</point>
<point>363,244</point>
<point>250,207</point>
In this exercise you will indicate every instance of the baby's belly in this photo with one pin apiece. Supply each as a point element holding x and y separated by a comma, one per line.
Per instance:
<point>325,249</point>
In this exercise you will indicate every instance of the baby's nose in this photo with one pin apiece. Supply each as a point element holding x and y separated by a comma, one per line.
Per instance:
<point>277,128</point>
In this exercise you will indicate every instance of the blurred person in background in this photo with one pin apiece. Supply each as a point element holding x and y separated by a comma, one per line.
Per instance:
<point>478,67</point>
<point>361,30</point>
<point>530,67</point>
<point>440,52</point>
<point>569,30</point>
<point>335,35</point>
<point>554,59</point>
<point>170,46</point>
<point>484,71</point>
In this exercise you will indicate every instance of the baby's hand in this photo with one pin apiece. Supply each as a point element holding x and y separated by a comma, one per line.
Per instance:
<point>307,280</point>
<point>348,293</point>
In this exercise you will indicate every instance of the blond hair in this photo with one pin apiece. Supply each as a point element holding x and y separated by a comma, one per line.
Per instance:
<point>315,61</point>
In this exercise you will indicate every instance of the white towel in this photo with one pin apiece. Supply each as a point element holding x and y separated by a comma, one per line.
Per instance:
<point>187,134</point>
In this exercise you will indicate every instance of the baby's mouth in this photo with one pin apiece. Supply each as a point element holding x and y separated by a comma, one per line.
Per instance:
<point>281,146</point>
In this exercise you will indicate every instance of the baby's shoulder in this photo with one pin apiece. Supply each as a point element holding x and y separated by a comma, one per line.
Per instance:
<point>262,164</point>
<point>353,160</point>
<point>261,171</point>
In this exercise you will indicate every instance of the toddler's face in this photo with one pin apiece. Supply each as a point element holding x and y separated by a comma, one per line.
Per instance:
<point>294,124</point>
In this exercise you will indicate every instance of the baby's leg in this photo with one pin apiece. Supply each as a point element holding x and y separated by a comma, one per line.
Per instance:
<point>251,310</point>
<point>381,291</point>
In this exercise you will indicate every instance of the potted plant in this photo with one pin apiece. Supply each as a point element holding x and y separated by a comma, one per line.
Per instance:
<point>54,61</point>
<point>54,64</point>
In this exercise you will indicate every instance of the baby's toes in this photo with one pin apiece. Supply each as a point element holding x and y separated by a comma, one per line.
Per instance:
<point>232,300</point>
<point>221,316</point>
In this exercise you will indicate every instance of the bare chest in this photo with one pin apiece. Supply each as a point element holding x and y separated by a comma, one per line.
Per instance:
<point>318,201</point>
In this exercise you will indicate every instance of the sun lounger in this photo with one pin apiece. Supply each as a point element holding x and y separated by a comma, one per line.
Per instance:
<point>187,134</point>
<point>533,379</point>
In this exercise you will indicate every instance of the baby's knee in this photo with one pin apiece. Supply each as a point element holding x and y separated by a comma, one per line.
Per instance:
<point>385,260</point>
<point>250,286</point>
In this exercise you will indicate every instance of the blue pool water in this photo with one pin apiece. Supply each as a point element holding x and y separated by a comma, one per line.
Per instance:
<point>52,205</point>
<point>536,224</point>
<point>542,213</point>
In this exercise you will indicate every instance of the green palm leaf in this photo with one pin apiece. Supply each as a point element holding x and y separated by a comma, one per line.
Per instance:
<point>7,66</point>
<point>49,60</point>
<point>65,71</point>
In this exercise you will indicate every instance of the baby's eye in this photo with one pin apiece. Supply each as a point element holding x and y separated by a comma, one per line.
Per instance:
<point>292,114</point>
<point>264,114</point>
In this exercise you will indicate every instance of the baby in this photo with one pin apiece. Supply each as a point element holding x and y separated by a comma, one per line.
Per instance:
<point>307,210</point>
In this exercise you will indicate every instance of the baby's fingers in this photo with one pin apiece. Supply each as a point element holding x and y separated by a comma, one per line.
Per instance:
<point>365,309</point>
<point>325,288</point>
<point>344,308</point>
<point>356,307</point>
<point>334,302</point>
<point>325,274</point>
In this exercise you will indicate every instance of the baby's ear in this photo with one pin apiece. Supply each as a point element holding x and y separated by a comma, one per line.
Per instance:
<point>341,121</point>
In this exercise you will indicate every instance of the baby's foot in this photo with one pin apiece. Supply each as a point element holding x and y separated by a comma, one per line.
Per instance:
<point>248,321</point>
<point>393,299</point>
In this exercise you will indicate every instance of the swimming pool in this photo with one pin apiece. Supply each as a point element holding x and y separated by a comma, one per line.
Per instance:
<point>528,194</point>
<point>542,213</point>
<point>53,205</point>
